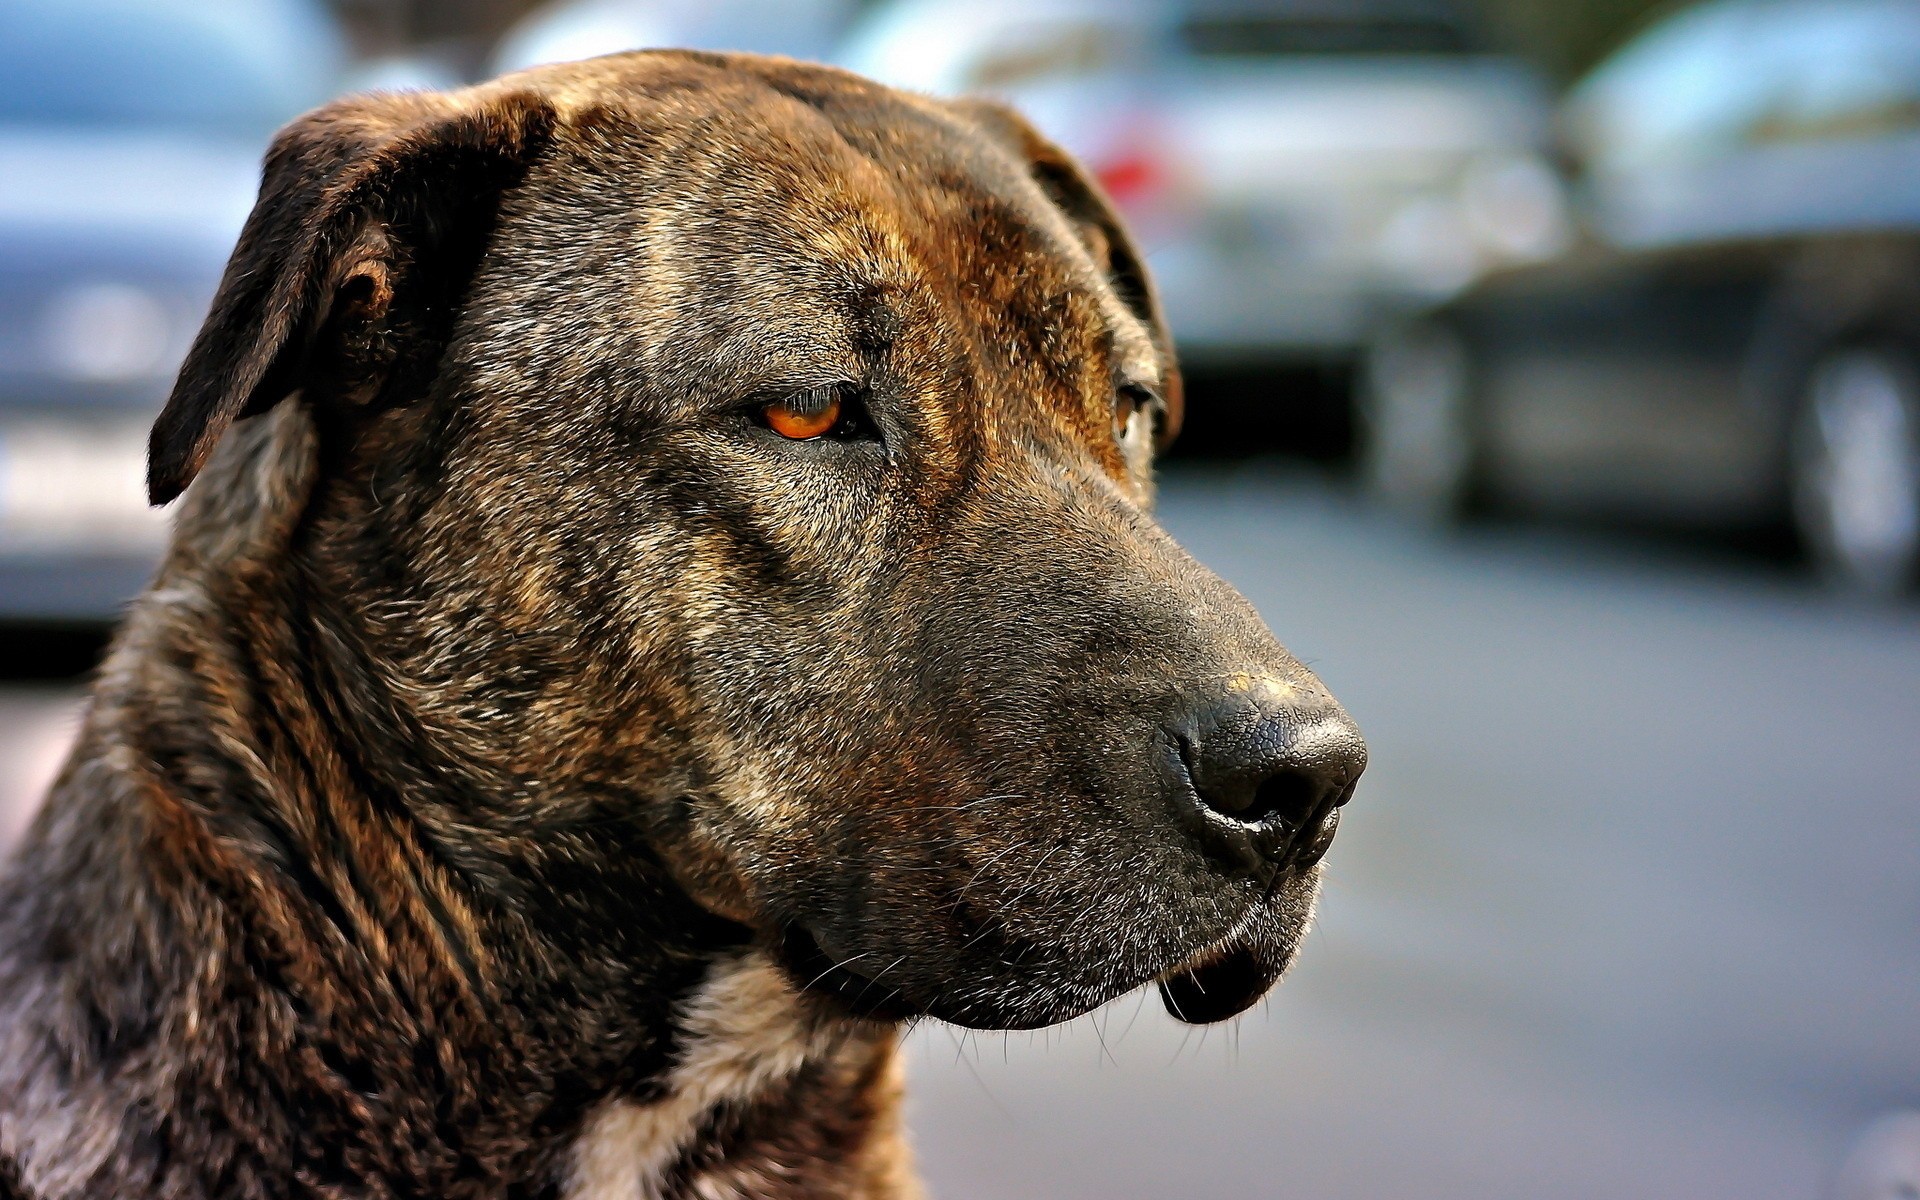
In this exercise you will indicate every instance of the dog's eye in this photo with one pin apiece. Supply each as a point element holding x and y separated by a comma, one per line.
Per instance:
<point>1130,400</point>
<point>833,411</point>
<point>804,415</point>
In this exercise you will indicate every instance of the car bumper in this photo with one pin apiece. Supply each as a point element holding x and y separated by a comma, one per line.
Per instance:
<point>70,588</point>
<point>77,539</point>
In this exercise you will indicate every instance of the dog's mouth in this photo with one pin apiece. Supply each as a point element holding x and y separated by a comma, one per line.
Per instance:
<point>816,971</point>
<point>1219,986</point>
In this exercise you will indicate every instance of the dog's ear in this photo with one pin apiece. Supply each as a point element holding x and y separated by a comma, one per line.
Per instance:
<point>362,205</point>
<point>1068,185</point>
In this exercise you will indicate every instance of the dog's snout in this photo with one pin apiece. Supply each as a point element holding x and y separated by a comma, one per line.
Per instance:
<point>1268,772</point>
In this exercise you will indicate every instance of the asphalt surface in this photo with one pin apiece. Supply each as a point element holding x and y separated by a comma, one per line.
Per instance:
<point>1628,904</point>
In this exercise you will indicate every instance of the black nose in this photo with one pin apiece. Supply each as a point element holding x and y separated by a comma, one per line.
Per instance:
<point>1269,764</point>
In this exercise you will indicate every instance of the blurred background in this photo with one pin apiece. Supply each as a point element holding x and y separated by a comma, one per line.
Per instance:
<point>1555,393</point>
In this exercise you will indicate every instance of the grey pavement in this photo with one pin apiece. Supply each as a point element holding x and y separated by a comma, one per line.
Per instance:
<point>1627,906</point>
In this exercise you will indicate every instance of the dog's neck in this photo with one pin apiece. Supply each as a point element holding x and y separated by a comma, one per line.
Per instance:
<point>235,960</point>
<point>756,1105</point>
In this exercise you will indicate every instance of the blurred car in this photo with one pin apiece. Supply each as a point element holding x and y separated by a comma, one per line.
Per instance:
<point>130,138</point>
<point>1296,169</point>
<point>576,29</point>
<point>1735,341</point>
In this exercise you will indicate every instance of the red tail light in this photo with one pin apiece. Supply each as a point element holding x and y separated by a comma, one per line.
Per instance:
<point>1132,179</point>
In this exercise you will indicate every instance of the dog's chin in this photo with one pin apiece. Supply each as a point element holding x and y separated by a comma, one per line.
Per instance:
<point>1217,985</point>
<point>815,971</point>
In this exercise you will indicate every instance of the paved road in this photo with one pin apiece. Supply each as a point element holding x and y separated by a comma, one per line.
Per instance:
<point>1628,906</point>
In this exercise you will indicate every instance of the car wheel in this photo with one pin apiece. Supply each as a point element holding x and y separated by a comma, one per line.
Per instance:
<point>1418,453</point>
<point>1855,470</point>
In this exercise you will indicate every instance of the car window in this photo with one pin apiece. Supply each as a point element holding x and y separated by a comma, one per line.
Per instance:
<point>1328,27</point>
<point>999,47</point>
<point>574,29</point>
<point>1678,90</point>
<point>242,66</point>
<point>1844,71</point>
<point>1045,51</point>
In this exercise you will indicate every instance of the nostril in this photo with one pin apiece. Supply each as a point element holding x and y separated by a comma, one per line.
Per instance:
<point>1286,795</point>
<point>1264,784</point>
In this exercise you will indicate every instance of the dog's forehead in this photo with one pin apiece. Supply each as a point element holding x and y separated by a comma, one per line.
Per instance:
<point>804,213</point>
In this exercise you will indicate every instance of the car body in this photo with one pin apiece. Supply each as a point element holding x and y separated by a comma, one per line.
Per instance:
<point>130,139</point>
<point>1735,340</point>
<point>1296,170</point>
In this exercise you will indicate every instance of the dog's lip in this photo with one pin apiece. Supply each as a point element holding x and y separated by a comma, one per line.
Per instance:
<point>814,970</point>
<point>1216,983</point>
<point>1219,984</point>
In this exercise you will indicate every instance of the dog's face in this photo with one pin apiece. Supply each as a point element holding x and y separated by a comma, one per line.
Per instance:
<point>758,460</point>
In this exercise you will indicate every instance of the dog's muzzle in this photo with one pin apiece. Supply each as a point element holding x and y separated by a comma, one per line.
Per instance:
<point>1251,774</point>
<point>1259,772</point>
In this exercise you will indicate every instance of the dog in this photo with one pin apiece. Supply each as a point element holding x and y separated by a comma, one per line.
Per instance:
<point>667,595</point>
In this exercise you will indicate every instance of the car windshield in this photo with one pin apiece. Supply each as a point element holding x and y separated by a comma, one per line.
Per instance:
<point>240,66</point>
<point>1740,74</point>
<point>583,28</point>
<point>1328,27</point>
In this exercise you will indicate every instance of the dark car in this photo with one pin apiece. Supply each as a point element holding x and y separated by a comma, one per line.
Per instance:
<point>130,138</point>
<point>1734,342</point>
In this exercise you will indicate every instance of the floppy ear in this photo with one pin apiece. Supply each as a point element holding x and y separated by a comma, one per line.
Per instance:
<point>360,202</point>
<point>1069,186</point>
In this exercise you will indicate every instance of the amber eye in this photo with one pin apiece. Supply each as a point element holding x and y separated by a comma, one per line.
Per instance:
<point>804,416</point>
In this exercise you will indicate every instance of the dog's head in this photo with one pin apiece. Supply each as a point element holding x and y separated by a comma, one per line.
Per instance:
<point>750,465</point>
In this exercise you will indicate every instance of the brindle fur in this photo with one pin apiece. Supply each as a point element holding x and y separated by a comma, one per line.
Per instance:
<point>505,686</point>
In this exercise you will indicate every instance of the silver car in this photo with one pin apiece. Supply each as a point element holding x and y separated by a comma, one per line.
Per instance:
<point>1299,171</point>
